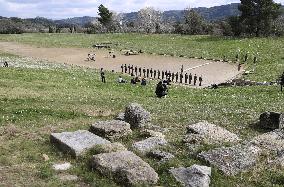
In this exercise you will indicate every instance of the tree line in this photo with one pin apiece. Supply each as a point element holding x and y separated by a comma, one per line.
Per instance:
<point>257,18</point>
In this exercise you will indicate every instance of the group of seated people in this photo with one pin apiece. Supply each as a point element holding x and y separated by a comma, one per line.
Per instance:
<point>161,88</point>
<point>134,80</point>
<point>91,57</point>
<point>5,64</point>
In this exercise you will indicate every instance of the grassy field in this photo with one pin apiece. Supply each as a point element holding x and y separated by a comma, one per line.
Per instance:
<point>270,50</point>
<point>36,102</point>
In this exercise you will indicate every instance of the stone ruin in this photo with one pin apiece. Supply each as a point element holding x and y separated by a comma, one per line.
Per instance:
<point>113,159</point>
<point>136,115</point>
<point>128,169</point>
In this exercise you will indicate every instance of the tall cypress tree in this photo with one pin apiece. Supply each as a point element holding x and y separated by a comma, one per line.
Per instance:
<point>257,16</point>
<point>105,16</point>
<point>194,22</point>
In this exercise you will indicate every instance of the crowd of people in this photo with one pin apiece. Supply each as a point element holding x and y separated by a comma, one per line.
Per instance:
<point>177,77</point>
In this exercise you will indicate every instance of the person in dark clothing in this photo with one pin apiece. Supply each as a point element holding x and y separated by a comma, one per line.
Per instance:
<point>129,68</point>
<point>169,80</point>
<point>140,72</point>
<point>166,74</point>
<point>185,78</point>
<point>133,81</point>
<point>169,74</point>
<point>137,79</point>
<point>194,80</point>
<point>159,73</point>
<point>282,81</point>
<point>173,76</point>
<point>155,72</point>
<point>6,64</point>
<point>132,69</point>
<point>239,66</point>
<point>148,71</point>
<point>163,75</point>
<point>143,82</point>
<point>135,70</point>
<point>121,68</point>
<point>180,78</point>
<point>176,76</point>
<point>189,78</point>
<point>103,75</point>
<point>214,86</point>
<point>144,72</point>
<point>151,72</point>
<point>161,90</point>
<point>125,68</point>
<point>200,80</point>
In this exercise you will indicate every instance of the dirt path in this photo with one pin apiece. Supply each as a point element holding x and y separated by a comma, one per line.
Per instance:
<point>212,72</point>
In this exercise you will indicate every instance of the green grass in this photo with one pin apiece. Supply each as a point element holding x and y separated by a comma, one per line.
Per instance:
<point>271,53</point>
<point>35,103</point>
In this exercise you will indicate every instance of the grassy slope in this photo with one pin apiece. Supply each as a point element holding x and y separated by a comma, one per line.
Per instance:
<point>34,103</point>
<point>271,53</point>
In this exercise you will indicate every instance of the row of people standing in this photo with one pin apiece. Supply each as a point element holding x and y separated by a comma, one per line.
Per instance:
<point>170,76</point>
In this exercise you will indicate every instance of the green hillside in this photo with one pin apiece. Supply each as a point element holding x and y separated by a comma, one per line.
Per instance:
<point>38,98</point>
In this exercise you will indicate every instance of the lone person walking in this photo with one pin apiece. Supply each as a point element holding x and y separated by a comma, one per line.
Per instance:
<point>103,75</point>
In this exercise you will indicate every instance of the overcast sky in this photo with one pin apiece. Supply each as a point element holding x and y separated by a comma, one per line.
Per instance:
<point>57,9</point>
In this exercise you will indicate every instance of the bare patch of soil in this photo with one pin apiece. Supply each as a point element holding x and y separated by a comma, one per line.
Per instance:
<point>212,72</point>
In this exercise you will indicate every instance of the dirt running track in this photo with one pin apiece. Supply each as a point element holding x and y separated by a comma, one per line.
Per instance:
<point>212,72</point>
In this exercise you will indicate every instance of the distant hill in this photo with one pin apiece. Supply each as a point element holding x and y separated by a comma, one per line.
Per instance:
<point>40,24</point>
<point>80,21</point>
<point>40,21</point>
<point>209,14</point>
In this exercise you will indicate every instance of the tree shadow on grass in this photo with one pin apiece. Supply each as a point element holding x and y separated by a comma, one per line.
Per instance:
<point>256,127</point>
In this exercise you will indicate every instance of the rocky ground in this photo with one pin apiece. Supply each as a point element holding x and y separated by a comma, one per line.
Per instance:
<point>125,166</point>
